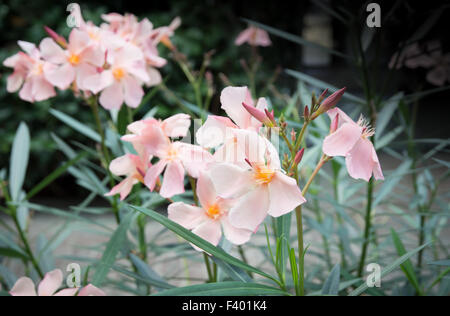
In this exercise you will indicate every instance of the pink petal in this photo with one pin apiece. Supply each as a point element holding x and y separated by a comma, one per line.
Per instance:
<point>359,160</point>
<point>98,81</point>
<point>94,56</point>
<point>26,92</point>
<point>90,290</point>
<point>231,99</point>
<point>78,41</point>
<point>205,190</point>
<point>262,38</point>
<point>23,287</point>
<point>194,158</point>
<point>237,236</point>
<point>213,131</point>
<point>51,282</point>
<point>231,181</point>
<point>342,141</point>
<point>251,209</point>
<point>67,292</point>
<point>177,125</point>
<point>123,188</point>
<point>173,182</point>
<point>343,118</point>
<point>437,76</point>
<point>42,89</point>
<point>209,230</point>
<point>285,195</point>
<point>243,37</point>
<point>133,92</point>
<point>155,77</point>
<point>377,173</point>
<point>61,76</point>
<point>153,173</point>
<point>52,52</point>
<point>14,81</point>
<point>123,165</point>
<point>112,96</point>
<point>84,72</point>
<point>188,216</point>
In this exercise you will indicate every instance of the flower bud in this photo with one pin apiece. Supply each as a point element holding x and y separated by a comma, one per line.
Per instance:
<point>299,156</point>
<point>56,37</point>
<point>293,135</point>
<point>257,114</point>
<point>329,103</point>
<point>306,112</point>
<point>271,116</point>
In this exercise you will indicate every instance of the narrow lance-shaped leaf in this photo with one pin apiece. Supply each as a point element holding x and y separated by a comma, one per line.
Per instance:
<point>19,160</point>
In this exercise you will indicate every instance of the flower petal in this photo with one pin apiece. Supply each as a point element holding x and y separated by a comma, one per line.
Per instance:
<point>359,160</point>
<point>213,132</point>
<point>285,195</point>
<point>177,125</point>
<point>173,182</point>
<point>122,165</point>
<point>205,190</point>
<point>188,216</point>
<point>237,236</point>
<point>133,92</point>
<point>231,99</point>
<point>209,230</point>
<point>231,181</point>
<point>153,173</point>
<point>67,292</point>
<point>112,96</point>
<point>61,76</point>
<point>51,282</point>
<point>23,287</point>
<point>251,209</point>
<point>90,290</point>
<point>194,158</point>
<point>342,141</point>
<point>52,52</point>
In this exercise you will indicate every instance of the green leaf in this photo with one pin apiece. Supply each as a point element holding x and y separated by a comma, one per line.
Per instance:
<point>294,270</point>
<point>148,274</point>
<point>386,113</point>
<point>407,266</point>
<point>331,285</point>
<point>76,125</point>
<point>201,243</point>
<point>11,253</point>
<point>391,181</point>
<point>54,175</point>
<point>19,160</point>
<point>297,39</point>
<point>390,268</point>
<point>116,243</point>
<point>444,263</point>
<point>235,273</point>
<point>223,289</point>
<point>389,137</point>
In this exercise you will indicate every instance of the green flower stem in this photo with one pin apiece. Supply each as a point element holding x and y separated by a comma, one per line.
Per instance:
<point>368,227</point>
<point>106,157</point>
<point>22,235</point>
<point>208,267</point>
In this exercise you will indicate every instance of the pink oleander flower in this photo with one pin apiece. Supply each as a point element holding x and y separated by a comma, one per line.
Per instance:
<point>28,75</point>
<point>208,220</point>
<point>253,36</point>
<point>175,157</point>
<point>79,61</point>
<point>350,139</point>
<point>219,131</point>
<point>134,167</point>
<point>49,286</point>
<point>260,189</point>
<point>164,33</point>
<point>122,82</point>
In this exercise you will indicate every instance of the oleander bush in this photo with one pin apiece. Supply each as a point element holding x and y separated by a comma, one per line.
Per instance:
<point>247,185</point>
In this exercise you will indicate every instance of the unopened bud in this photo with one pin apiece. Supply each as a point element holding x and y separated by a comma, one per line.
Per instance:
<point>56,37</point>
<point>299,156</point>
<point>257,114</point>
<point>329,103</point>
<point>293,135</point>
<point>306,112</point>
<point>322,96</point>
<point>271,116</point>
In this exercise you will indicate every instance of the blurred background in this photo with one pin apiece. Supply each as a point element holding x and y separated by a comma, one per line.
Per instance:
<point>213,25</point>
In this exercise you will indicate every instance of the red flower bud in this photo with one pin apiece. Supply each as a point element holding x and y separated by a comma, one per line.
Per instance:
<point>329,102</point>
<point>56,37</point>
<point>299,156</point>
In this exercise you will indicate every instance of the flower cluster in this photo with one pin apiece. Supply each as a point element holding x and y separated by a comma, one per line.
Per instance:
<point>114,60</point>
<point>49,287</point>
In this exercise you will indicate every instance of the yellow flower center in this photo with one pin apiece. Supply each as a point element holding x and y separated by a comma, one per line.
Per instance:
<point>139,177</point>
<point>263,174</point>
<point>172,154</point>
<point>213,211</point>
<point>118,73</point>
<point>74,59</point>
<point>38,69</point>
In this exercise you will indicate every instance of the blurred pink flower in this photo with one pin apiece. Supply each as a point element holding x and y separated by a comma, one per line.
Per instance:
<point>350,140</point>
<point>253,36</point>
<point>90,290</point>
<point>260,189</point>
<point>208,220</point>
<point>219,131</point>
<point>28,75</point>
<point>79,61</point>
<point>133,167</point>
<point>122,82</point>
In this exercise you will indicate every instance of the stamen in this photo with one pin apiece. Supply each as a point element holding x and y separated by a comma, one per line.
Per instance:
<point>368,131</point>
